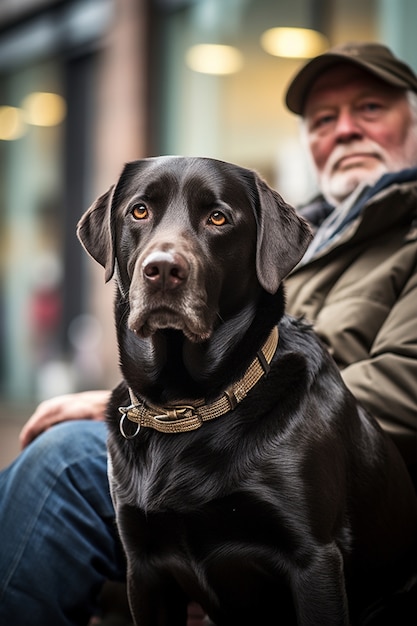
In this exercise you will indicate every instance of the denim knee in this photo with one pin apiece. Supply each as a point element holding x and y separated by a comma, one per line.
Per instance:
<point>57,524</point>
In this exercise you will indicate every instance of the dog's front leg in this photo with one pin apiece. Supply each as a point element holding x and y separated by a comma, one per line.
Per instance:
<point>319,589</point>
<point>155,598</point>
<point>155,605</point>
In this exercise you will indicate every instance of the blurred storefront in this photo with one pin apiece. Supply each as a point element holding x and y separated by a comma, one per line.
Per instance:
<point>86,85</point>
<point>70,115</point>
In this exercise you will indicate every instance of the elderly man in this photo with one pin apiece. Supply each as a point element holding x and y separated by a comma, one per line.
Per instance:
<point>357,283</point>
<point>358,280</point>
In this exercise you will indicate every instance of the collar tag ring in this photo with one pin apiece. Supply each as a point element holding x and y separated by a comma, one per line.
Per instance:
<point>122,428</point>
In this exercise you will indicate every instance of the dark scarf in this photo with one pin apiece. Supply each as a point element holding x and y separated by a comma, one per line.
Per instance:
<point>323,217</point>
<point>318,209</point>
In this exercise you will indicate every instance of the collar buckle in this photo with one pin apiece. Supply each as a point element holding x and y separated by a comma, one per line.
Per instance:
<point>176,413</point>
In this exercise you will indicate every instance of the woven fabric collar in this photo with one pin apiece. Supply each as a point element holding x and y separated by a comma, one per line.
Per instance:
<point>184,417</point>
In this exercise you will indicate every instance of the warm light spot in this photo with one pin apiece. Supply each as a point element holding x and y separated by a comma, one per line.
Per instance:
<point>12,125</point>
<point>214,59</point>
<point>44,109</point>
<point>301,43</point>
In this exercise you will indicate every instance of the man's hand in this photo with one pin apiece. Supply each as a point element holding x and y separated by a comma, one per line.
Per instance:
<point>74,406</point>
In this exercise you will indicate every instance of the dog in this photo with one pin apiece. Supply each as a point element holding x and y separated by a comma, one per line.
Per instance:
<point>244,474</point>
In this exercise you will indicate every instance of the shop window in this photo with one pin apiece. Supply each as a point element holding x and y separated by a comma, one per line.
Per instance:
<point>32,119</point>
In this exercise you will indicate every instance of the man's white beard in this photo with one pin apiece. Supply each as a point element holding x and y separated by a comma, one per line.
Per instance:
<point>338,185</point>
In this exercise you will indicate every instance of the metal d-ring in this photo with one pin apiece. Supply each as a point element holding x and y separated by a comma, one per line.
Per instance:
<point>133,435</point>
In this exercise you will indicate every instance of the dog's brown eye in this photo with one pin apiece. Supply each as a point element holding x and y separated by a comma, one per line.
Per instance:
<point>217,219</point>
<point>140,212</point>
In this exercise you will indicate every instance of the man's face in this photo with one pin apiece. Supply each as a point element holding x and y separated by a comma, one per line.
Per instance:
<point>358,128</point>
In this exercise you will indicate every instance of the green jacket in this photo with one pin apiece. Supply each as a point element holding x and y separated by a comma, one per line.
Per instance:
<point>361,296</point>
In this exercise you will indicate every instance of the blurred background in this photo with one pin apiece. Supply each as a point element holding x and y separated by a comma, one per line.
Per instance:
<point>86,85</point>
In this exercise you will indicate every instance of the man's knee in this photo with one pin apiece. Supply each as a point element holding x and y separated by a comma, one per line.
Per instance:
<point>63,445</point>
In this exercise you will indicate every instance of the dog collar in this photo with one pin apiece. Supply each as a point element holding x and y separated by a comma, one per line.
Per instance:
<point>184,417</point>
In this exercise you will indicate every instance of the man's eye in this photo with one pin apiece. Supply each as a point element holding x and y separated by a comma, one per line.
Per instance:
<point>319,122</point>
<point>140,212</point>
<point>217,218</point>
<point>371,107</point>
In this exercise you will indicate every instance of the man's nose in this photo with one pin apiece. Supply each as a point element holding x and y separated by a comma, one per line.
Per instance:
<point>347,127</point>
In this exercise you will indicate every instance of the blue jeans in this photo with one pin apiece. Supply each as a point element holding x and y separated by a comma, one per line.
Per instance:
<point>58,542</point>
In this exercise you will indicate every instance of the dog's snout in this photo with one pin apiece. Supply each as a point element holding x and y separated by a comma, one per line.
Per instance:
<point>165,270</point>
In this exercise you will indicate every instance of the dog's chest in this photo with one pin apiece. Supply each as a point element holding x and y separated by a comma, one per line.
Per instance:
<point>234,535</point>
<point>232,549</point>
<point>176,481</point>
<point>201,503</point>
<point>188,472</point>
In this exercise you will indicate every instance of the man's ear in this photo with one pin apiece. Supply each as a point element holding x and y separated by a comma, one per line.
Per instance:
<point>282,238</point>
<point>95,231</point>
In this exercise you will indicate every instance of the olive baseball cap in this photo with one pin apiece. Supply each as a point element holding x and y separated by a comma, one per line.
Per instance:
<point>372,57</point>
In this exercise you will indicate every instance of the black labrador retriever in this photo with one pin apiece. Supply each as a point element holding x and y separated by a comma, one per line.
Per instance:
<point>244,475</point>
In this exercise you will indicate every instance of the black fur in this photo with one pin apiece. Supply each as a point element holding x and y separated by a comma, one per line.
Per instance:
<point>294,508</point>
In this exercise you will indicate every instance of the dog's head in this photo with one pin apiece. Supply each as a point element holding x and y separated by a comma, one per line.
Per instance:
<point>192,240</point>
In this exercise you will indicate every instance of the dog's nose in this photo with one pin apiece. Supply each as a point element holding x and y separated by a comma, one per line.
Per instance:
<point>165,270</point>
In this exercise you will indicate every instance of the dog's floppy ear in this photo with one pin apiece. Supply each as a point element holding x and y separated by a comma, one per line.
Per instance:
<point>94,230</point>
<point>283,237</point>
